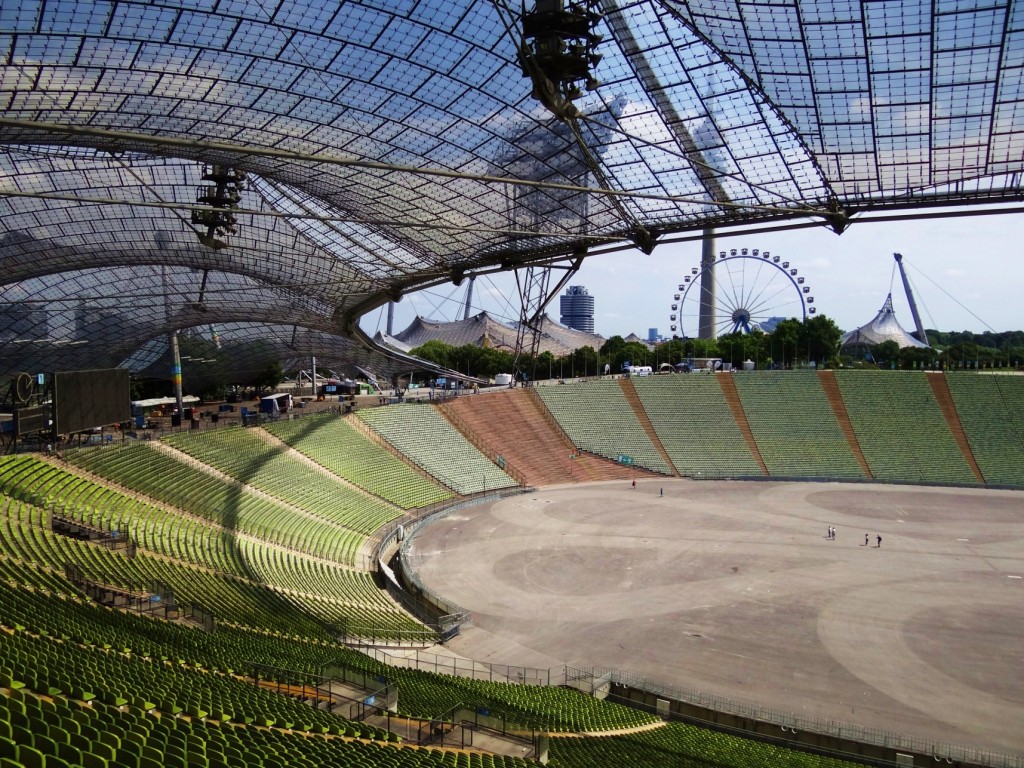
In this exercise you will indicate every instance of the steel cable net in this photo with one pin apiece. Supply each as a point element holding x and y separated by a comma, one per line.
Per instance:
<point>390,149</point>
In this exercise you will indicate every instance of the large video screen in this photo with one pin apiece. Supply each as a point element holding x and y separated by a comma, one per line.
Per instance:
<point>87,399</point>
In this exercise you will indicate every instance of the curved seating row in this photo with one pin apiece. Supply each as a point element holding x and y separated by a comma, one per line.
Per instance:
<point>185,538</point>
<point>678,744</point>
<point>147,470</point>
<point>244,601</point>
<point>243,455</point>
<point>432,443</point>
<point>902,433</point>
<point>898,424</point>
<point>696,426</point>
<point>335,444</point>
<point>990,412</point>
<point>597,418</point>
<point>794,426</point>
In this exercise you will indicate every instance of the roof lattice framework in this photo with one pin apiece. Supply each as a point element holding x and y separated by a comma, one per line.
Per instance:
<point>390,146</point>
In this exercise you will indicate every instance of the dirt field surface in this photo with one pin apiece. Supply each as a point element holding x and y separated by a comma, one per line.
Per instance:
<point>735,588</point>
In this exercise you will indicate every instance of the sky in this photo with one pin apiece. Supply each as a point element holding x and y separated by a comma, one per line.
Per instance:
<point>967,273</point>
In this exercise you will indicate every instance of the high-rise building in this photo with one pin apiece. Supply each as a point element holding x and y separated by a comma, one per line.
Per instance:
<point>22,320</point>
<point>652,335</point>
<point>578,309</point>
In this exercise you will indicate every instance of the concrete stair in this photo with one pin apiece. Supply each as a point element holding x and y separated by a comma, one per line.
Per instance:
<point>626,385</point>
<point>515,425</point>
<point>835,399</point>
<point>940,388</point>
<point>732,397</point>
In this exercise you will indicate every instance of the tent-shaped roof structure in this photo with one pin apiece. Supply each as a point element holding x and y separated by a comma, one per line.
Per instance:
<point>884,327</point>
<point>293,165</point>
<point>483,329</point>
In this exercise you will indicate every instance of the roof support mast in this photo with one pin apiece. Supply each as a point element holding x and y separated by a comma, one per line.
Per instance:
<point>469,298</point>
<point>703,166</point>
<point>921,335</point>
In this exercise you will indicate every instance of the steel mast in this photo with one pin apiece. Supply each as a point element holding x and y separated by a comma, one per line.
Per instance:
<point>921,335</point>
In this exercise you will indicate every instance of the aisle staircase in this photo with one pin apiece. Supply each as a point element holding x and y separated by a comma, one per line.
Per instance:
<point>940,388</point>
<point>835,399</point>
<point>515,424</point>
<point>641,415</point>
<point>732,397</point>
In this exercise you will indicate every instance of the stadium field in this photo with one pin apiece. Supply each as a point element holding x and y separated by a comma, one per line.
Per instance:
<point>735,589</point>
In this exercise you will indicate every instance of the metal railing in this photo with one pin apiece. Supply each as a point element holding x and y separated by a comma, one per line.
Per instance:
<point>460,424</point>
<point>428,661</point>
<point>789,722</point>
<point>598,680</point>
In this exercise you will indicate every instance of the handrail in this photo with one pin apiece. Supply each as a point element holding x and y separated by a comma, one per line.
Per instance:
<point>550,417</point>
<point>459,423</point>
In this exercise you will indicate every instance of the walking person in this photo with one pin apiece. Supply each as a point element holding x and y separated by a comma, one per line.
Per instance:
<point>661,491</point>
<point>634,485</point>
<point>879,545</point>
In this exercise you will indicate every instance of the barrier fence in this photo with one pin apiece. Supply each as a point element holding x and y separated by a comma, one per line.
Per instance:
<point>789,722</point>
<point>443,664</point>
<point>621,687</point>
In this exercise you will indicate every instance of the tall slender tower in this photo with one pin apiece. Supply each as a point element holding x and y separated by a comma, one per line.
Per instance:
<point>706,322</point>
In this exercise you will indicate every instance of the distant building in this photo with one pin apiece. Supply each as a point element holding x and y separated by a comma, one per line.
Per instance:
<point>652,335</point>
<point>884,327</point>
<point>23,321</point>
<point>94,321</point>
<point>578,309</point>
<point>483,330</point>
<point>634,339</point>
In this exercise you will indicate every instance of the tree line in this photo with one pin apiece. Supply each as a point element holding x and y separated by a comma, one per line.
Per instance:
<point>792,343</point>
<point>212,372</point>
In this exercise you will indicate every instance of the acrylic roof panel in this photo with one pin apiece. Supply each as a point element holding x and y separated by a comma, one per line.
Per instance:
<point>895,99</point>
<point>391,146</point>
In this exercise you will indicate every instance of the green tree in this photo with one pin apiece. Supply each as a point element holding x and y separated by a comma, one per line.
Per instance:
<point>269,376</point>
<point>672,351</point>
<point>784,342</point>
<point>635,353</point>
<point>436,351</point>
<point>546,366</point>
<point>586,361</point>
<point>485,362</point>
<point>612,347</point>
<point>916,358</point>
<point>731,346</point>
<point>701,348</point>
<point>886,354</point>
<point>755,347</point>
<point>203,369</point>
<point>819,338</point>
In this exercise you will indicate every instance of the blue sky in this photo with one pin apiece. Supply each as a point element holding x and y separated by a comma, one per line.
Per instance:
<point>973,261</point>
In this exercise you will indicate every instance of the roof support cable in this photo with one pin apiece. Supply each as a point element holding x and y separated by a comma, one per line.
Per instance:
<point>191,148</point>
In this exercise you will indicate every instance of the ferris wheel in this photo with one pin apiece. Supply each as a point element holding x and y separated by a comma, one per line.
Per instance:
<point>752,289</point>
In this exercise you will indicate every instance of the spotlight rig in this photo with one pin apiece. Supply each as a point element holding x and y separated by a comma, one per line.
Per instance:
<point>223,196</point>
<point>558,51</point>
